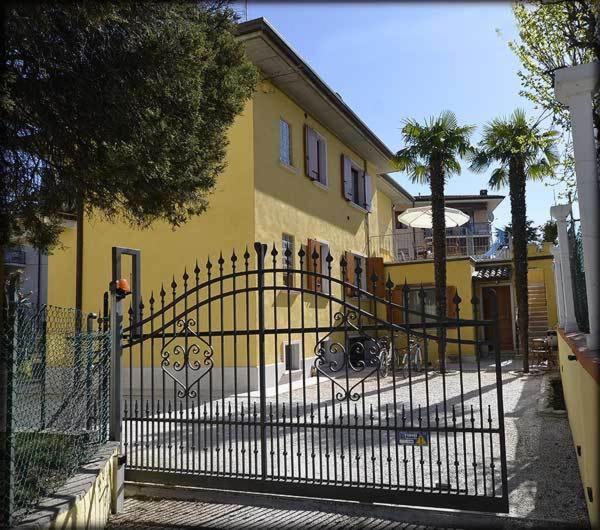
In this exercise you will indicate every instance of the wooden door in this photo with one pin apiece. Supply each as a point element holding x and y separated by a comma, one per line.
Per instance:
<point>505,319</point>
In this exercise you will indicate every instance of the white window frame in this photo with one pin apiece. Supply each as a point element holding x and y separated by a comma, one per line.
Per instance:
<point>292,262</point>
<point>290,163</point>
<point>363,276</point>
<point>325,283</point>
<point>323,181</point>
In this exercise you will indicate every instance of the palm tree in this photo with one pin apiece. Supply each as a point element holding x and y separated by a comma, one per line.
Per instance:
<point>431,156</point>
<point>521,151</point>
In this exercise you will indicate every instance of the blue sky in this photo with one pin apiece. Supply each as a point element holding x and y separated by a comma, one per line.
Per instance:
<point>391,61</point>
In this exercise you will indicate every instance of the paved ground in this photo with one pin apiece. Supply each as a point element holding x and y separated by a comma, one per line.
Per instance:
<point>173,514</point>
<point>543,477</point>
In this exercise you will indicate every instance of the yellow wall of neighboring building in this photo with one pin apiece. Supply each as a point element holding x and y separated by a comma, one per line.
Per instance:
<point>541,270</point>
<point>582,396</point>
<point>459,275</point>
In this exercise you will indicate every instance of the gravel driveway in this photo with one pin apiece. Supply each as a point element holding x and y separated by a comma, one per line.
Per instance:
<point>355,441</point>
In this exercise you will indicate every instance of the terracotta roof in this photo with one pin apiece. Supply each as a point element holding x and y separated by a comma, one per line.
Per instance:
<point>495,272</point>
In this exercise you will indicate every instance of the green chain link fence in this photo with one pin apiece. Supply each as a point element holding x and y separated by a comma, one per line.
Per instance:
<point>58,402</point>
<point>578,275</point>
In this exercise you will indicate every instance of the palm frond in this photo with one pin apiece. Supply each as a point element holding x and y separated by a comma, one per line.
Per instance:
<point>498,178</point>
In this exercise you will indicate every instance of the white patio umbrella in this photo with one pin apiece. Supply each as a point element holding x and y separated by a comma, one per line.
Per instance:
<point>421,217</point>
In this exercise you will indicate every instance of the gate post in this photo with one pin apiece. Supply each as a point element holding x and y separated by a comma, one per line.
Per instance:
<point>498,363</point>
<point>260,265</point>
<point>7,399</point>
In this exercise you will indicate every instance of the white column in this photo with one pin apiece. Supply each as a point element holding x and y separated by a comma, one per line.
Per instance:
<point>560,297</point>
<point>560,213</point>
<point>574,87</point>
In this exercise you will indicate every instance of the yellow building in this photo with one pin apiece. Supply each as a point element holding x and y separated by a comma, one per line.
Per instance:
<point>303,173</point>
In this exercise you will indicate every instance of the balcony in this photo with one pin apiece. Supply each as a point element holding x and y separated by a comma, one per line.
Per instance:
<point>470,229</point>
<point>417,245</point>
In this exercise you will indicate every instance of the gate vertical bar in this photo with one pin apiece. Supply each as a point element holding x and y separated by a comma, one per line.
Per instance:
<point>260,265</point>
<point>498,363</point>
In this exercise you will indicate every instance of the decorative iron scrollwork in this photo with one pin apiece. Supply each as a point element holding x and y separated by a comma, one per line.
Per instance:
<point>186,357</point>
<point>332,357</point>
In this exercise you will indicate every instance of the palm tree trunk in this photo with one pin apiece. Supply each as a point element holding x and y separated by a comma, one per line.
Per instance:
<point>517,181</point>
<point>439,254</point>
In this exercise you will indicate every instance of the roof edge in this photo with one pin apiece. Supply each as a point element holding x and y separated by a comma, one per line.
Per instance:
<point>262,25</point>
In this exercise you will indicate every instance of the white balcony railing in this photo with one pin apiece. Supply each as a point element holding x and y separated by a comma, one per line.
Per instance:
<point>403,247</point>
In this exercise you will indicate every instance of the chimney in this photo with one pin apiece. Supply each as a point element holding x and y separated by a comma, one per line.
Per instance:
<point>483,192</point>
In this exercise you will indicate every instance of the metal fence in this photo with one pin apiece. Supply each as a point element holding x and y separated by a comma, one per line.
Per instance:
<point>57,400</point>
<point>578,275</point>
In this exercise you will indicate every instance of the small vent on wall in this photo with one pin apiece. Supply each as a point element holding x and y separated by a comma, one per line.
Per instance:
<point>291,355</point>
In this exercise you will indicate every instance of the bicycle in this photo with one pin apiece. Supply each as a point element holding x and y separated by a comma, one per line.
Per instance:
<point>412,358</point>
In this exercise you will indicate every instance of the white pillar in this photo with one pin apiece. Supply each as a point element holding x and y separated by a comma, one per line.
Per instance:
<point>560,297</point>
<point>574,87</point>
<point>560,213</point>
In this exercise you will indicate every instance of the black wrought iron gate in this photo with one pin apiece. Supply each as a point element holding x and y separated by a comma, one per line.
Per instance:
<point>287,373</point>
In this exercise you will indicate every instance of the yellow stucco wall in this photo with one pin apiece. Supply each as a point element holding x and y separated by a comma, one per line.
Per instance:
<point>459,275</point>
<point>540,269</point>
<point>286,201</point>
<point>90,511</point>
<point>582,396</point>
<point>256,199</point>
<point>227,224</point>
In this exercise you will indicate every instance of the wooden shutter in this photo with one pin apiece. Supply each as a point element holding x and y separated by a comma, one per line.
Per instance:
<point>368,192</point>
<point>311,156</point>
<point>375,265</point>
<point>450,305</point>
<point>314,283</point>
<point>350,273</point>
<point>396,314</point>
<point>347,184</point>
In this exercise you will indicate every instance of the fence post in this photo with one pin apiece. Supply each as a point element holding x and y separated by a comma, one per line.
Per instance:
<point>260,265</point>
<point>116,324</point>
<point>7,449</point>
<point>498,364</point>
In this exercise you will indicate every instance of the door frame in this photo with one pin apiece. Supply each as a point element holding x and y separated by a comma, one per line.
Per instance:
<point>479,293</point>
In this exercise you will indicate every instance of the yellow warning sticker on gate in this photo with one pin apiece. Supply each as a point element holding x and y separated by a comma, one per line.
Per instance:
<point>418,438</point>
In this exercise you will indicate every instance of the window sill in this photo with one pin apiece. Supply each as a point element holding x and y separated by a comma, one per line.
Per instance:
<point>320,185</point>
<point>287,167</point>
<point>357,206</point>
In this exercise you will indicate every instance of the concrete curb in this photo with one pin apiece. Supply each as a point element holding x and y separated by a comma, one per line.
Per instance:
<point>74,489</point>
<point>440,518</point>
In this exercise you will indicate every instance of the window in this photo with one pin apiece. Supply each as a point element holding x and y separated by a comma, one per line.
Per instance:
<point>429,308</point>
<point>315,153</point>
<point>356,184</point>
<point>414,304</point>
<point>354,262</point>
<point>285,143</point>
<point>287,243</point>
<point>317,282</point>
